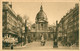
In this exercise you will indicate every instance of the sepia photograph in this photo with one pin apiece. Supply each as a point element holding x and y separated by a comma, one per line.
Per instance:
<point>40,25</point>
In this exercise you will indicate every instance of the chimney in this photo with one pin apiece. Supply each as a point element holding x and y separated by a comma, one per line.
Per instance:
<point>56,22</point>
<point>10,4</point>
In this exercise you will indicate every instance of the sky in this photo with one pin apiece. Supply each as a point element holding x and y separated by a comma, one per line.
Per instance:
<point>54,10</point>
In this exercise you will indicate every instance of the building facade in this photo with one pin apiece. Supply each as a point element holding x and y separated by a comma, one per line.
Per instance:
<point>73,25</point>
<point>20,28</point>
<point>41,24</point>
<point>41,28</point>
<point>68,27</point>
<point>12,25</point>
<point>9,23</point>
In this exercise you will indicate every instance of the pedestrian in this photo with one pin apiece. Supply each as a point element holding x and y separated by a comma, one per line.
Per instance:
<point>28,39</point>
<point>12,47</point>
<point>42,40</point>
<point>55,43</point>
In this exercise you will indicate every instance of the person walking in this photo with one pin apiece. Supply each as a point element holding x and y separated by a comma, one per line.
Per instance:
<point>12,47</point>
<point>42,41</point>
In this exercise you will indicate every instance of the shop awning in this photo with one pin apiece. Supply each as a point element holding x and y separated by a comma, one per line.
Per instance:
<point>10,32</point>
<point>9,40</point>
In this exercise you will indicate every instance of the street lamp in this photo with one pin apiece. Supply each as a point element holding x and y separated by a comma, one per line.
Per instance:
<point>25,18</point>
<point>21,36</point>
<point>55,36</point>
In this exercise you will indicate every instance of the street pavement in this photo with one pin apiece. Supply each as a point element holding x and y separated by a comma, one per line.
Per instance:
<point>36,45</point>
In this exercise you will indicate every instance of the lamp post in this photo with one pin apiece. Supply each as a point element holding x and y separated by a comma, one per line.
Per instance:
<point>55,36</point>
<point>21,36</point>
<point>25,34</point>
<point>25,31</point>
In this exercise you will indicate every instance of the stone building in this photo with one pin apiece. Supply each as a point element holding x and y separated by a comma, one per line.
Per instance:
<point>20,30</point>
<point>12,24</point>
<point>68,27</point>
<point>41,27</point>
<point>9,23</point>
<point>73,25</point>
<point>41,24</point>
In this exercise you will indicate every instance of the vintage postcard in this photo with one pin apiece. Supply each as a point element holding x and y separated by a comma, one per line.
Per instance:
<point>40,25</point>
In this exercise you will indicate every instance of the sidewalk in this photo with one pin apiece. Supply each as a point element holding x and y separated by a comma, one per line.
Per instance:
<point>22,46</point>
<point>15,47</point>
<point>67,47</point>
<point>37,46</point>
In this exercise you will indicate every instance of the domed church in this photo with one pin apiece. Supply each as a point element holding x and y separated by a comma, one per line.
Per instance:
<point>41,24</point>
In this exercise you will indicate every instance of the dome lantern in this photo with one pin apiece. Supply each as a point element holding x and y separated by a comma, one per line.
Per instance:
<point>41,8</point>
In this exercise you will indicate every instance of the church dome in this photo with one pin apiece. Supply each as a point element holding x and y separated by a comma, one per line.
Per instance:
<point>41,15</point>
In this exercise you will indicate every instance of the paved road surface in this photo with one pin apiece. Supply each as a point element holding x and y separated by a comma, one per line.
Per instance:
<point>37,46</point>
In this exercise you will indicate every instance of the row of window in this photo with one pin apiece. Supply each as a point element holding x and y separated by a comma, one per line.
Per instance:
<point>11,19</point>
